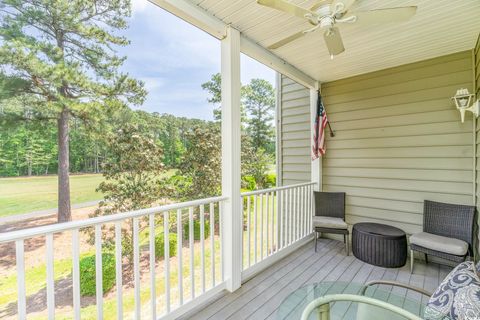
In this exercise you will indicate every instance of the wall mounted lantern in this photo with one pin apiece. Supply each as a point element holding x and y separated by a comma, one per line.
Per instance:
<point>464,102</point>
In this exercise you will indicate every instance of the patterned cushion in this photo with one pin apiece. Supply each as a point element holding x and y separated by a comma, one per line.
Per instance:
<point>457,297</point>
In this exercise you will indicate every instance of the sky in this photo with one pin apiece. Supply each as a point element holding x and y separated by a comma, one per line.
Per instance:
<point>174,58</point>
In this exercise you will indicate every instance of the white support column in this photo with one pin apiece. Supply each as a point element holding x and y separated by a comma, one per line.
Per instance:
<point>232,215</point>
<point>316,164</point>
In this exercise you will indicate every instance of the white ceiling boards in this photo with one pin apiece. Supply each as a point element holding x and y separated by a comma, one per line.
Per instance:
<point>440,27</point>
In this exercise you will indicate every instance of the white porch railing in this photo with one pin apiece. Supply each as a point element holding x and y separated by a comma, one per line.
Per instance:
<point>166,218</point>
<point>274,219</point>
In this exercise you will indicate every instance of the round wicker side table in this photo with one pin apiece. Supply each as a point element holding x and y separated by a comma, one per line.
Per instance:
<point>379,244</point>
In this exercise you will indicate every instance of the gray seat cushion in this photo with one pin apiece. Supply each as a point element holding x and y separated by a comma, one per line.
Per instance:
<point>329,222</point>
<point>440,243</point>
<point>457,297</point>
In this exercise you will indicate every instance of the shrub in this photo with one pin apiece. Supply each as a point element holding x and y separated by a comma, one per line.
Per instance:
<point>160,245</point>
<point>249,183</point>
<point>87,274</point>
<point>196,229</point>
<point>270,180</point>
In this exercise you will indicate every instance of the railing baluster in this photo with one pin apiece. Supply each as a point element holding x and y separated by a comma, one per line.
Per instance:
<point>153,295</point>
<point>21,294</point>
<point>136,269</point>
<point>166,255</point>
<point>305,209</point>
<point>295,203</point>
<point>242,260</point>
<point>192,256</point>
<point>312,203</point>
<point>267,230</point>
<point>302,212</point>
<point>248,232</point>
<point>98,270</point>
<point>255,227</point>
<point>290,217</point>
<point>280,218</point>
<point>202,245</point>
<point>180,255</point>
<point>212,242</point>
<point>76,274</point>
<point>274,222</point>
<point>50,276</point>
<point>220,228</point>
<point>118,268</point>
<point>261,226</point>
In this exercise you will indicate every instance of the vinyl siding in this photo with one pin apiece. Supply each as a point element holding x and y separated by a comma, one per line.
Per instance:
<point>476,79</point>
<point>294,132</point>
<point>399,141</point>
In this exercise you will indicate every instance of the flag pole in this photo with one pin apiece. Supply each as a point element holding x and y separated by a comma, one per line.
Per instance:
<point>332,134</point>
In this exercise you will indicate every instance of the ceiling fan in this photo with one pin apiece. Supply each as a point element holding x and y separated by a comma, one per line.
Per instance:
<point>326,14</point>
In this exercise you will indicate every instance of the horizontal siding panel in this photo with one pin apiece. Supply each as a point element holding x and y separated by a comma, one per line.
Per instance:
<point>403,163</point>
<point>305,135</point>
<point>413,130</point>
<point>297,144</point>
<point>389,215</point>
<point>385,204</point>
<point>301,118</point>
<point>410,97</point>
<point>292,87</point>
<point>293,95</point>
<point>420,152</point>
<point>387,73</point>
<point>299,176</point>
<point>296,152</point>
<point>401,184</point>
<point>382,90</point>
<point>303,102</point>
<point>291,127</point>
<point>390,110</point>
<point>399,195</point>
<point>432,70</point>
<point>303,159</point>
<point>407,174</point>
<point>408,119</point>
<point>410,141</point>
<point>295,111</point>
<point>302,167</point>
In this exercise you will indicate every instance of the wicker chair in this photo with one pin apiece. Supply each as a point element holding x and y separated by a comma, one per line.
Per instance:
<point>447,232</point>
<point>330,215</point>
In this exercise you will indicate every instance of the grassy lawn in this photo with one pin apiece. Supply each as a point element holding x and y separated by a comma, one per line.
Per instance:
<point>26,194</point>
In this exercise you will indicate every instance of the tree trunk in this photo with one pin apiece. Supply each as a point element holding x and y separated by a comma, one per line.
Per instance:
<point>64,210</point>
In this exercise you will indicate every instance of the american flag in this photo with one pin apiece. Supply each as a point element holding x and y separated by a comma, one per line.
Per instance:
<point>321,121</point>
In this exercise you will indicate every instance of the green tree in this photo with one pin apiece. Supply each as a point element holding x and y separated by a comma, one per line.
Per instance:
<point>131,177</point>
<point>214,88</point>
<point>199,175</point>
<point>259,102</point>
<point>64,50</point>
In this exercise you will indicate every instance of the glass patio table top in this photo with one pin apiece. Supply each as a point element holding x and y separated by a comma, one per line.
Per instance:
<point>293,306</point>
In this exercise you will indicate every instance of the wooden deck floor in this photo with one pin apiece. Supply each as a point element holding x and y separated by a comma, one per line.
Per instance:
<point>260,297</point>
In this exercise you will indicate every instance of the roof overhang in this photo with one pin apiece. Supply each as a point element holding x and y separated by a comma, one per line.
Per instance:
<point>440,27</point>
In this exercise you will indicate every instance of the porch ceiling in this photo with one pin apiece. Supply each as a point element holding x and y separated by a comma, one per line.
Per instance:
<point>440,27</point>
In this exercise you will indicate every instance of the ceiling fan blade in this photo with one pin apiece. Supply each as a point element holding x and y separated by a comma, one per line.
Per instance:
<point>286,7</point>
<point>347,4</point>
<point>334,42</point>
<point>289,39</point>
<point>384,15</point>
<point>320,4</point>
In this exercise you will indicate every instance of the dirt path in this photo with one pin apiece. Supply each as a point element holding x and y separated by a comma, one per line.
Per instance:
<point>35,247</point>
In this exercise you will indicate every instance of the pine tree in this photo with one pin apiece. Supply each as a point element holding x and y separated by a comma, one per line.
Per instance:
<point>64,51</point>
